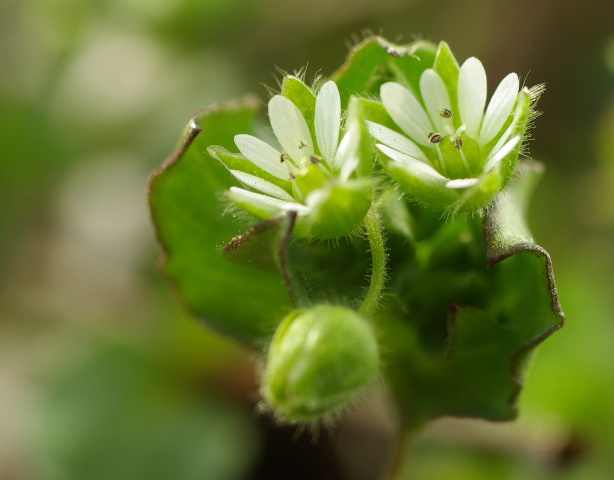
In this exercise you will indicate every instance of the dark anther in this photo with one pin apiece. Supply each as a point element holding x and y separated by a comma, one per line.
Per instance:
<point>434,137</point>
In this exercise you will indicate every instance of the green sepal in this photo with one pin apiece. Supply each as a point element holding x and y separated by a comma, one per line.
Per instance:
<point>447,67</point>
<point>338,208</point>
<point>191,225</point>
<point>523,114</point>
<point>374,111</point>
<point>424,188</point>
<point>302,96</point>
<point>236,161</point>
<point>318,360</point>
<point>433,193</point>
<point>478,197</point>
<point>375,61</point>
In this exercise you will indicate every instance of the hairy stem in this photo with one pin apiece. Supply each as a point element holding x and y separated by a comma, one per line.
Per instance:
<point>378,263</point>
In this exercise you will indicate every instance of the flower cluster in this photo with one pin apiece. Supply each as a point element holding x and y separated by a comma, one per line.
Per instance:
<point>434,134</point>
<point>309,174</point>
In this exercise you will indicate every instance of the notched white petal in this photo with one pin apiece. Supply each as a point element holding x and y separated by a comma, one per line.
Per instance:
<point>406,111</point>
<point>261,185</point>
<point>472,94</point>
<point>499,108</point>
<point>435,96</point>
<point>270,205</point>
<point>412,165</point>
<point>503,152</point>
<point>328,120</point>
<point>290,128</point>
<point>262,155</point>
<point>396,141</point>
<point>502,141</point>
<point>458,183</point>
<point>347,159</point>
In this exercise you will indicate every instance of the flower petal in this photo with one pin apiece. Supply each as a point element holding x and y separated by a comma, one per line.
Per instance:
<point>396,141</point>
<point>503,152</point>
<point>499,108</point>
<point>462,183</point>
<point>264,203</point>
<point>291,129</point>
<point>328,120</point>
<point>265,187</point>
<point>502,141</point>
<point>262,155</point>
<point>472,95</point>
<point>435,96</point>
<point>416,167</point>
<point>407,112</point>
<point>347,159</point>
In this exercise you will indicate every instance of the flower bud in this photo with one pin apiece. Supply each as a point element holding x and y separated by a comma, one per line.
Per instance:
<point>318,360</point>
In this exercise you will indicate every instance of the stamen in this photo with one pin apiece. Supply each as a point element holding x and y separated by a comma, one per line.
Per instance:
<point>296,189</point>
<point>317,161</point>
<point>442,162</point>
<point>460,150</point>
<point>287,161</point>
<point>445,113</point>
<point>302,144</point>
<point>450,130</point>
<point>458,144</point>
<point>434,137</point>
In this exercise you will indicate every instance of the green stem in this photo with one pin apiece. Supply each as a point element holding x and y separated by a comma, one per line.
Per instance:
<point>399,457</point>
<point>378,263</point>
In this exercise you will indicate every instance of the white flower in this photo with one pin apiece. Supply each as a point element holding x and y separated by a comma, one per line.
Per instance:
<point>452,140</point>
<point>305,164</point>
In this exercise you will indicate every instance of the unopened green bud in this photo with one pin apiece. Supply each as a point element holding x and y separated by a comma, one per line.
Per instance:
<point>319,359</point>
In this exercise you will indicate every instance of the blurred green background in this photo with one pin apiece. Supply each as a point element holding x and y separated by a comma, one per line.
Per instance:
<point>104,376</point>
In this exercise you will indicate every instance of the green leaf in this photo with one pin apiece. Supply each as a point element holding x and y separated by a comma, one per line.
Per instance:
<point>192,223</point>
<point>263,245</point>
<point>459,334</point>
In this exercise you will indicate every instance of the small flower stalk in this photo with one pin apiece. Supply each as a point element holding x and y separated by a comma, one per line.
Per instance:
<point>320,358</point>
<point>454,152</point>
<point>310,171</point>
